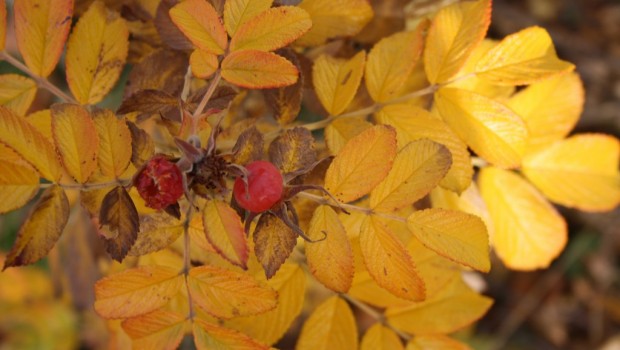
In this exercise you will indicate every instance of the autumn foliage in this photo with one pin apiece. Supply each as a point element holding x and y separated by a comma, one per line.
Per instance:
<point>258,144</point>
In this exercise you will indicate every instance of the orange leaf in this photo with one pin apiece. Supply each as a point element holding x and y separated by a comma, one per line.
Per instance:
<point>41,230</point>
<point>137,291</point>
<point>348,177</point>
<point>330,326</point>
<point>17,92</point>
<point>330,260</point>
<point>114,143</point>
<point>237,12</point>
<point>28,142</point>
<point>208,336</point>
<point>41,29</point>
<point>156,330</point>
<point>255,69</point>
<point>224,231</point>
<point>198,20</point>
<point>379,337</point>
<point>203,63</point>
<point>18,184</point>
<point>226,294</point>
<point>388,261</point>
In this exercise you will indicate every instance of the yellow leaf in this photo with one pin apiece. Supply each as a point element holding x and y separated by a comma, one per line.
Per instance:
<point>137,291</point>
<point>224,231</point>
<point>157,231</point>
<point>330,19</point>
<point>455,307</point>
<point>226,294</point>
<point>388,261</point>
<point>42,121</point>
<point>550,109</point>
<point>160,329</point>
<point>114,143</point>
<point>522,58</point>
<point>330,326</point>
<point>96,53</point>
<point>364,288</point>
<point>362,163</point>
<point>270,326</point>
<point>417,169</point>
<point>41,29</point>
<point>435,341</point>
<point>436,271</point>
<point>271,29</point>
<point>203,63</point>
<point>453,234</point>
<point>340,131</point>
<point>17,92</point>
<point>274,242</point>
<point>255,69</point>
<point>41,230</point>
<point>491,129</point>
<point>580,172</point>
<point>208,336</point>
<point>2,24</point>
<point>330,260</point>
<point>76,139</point>
<point>199,21</point>
<point>455,32</point>
<point>414,123</point>
<point>379,337</point>
<point>391,61</point>
<point>18,184</point>
<point>529,232</point>
<point>238,12</point>
<point>336,81</point>
<point>29,143</point>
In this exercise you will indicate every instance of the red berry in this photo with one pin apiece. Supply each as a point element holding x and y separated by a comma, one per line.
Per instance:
<point>160,183</point>
<point>264,187</point>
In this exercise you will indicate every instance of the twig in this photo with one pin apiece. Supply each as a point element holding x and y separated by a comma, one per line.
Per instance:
<point>186,258</point>
<point>41,82</point>
<point>88,186</point>
<point>375,314</point>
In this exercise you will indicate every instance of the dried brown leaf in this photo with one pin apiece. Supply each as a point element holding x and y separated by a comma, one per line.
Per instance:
<point>142,146</point>
<point>162,70</point>
<point>273,243</point>
<point>293,150</point>
<point>249,146</point>
<point>119,222</point>
<point>286,101</point>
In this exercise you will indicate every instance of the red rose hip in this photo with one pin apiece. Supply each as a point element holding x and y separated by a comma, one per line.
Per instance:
<point>159,183</point>
<point>264,187</point>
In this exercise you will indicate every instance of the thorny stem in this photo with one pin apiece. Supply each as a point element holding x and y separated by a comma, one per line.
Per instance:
<point>186,258</point>
<point>41,82</point>
<point>375,314</point>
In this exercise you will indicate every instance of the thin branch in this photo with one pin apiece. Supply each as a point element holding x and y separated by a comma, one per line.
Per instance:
<point>375,314</point>
<point>187,258</point>
<point>88,186</point>
<point>207,96</point>
<point>41,82</point>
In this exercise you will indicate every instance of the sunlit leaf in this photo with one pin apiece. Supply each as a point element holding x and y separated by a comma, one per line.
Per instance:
<point>491,129</point>
<point>417,169</point>
<point>379,337</point>
<point>341,130</point>
<point>114,143</point>
<point>271,29</point>
<point>436,271</point>
<point>96,53</point>
<point>580,172</point>
<point>293,150</point>
<point>41,29</point>
<point>453,234</point>
<point>199,21</point>
<point>29,143</point>
<point>391,61</point>
<point>226,294</point>
<point>255,69</point>
<point>157,231</point>
<point>41,230</point>
<point>159,329</point>
<point>330,326</point>
<point>76,139</point>
<point>237,12</point>
<point>119,222</point>
<point>330,259</point>
<point>435,341</point>
<point>455,32</point>
<point>42,121</point>
<point>362,163</point>
<point>224,231</point>
<point>336,80</point>
<point>522,58</point>
<point>137,291</point>
<point>414,123</point>
<point>18,184</point>
<point>273,243</point>
<point>208,336</point>
<point>330,19</point>
<point>203,63</point>
<point>388,261</point>
<point>17,92</point>
<point>529,232</point>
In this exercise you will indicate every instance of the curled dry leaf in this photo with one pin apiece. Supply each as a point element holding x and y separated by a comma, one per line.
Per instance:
<point>293,150</point>
<point>119,222</point>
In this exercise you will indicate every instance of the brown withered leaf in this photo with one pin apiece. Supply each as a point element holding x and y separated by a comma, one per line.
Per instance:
<point>168,31</point>
<point>274,241</point>
<point>293,150</point>
<point>119,222</point>
<point>286,101</point>
<point>41,230</point>
<point>249,146</point>
<point>148,102</point>
<point>221,98</point>
<point>162,70</point>
<point>157,231</point>
<point>142,146</point>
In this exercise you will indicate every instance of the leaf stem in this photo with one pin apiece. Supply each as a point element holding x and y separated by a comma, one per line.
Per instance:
<point>364,210</point>
<point>41,82</point>
<point>375,314</point>
<point>186,258</point>
<point>88,186</point>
